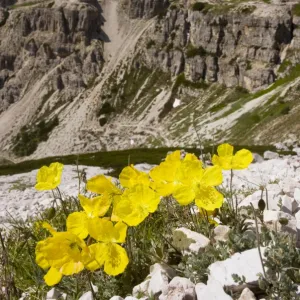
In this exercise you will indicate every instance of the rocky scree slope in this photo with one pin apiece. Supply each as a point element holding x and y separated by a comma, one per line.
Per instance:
<point>86,75</point>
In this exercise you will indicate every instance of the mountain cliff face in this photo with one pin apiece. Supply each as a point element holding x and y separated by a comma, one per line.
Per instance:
<point>86,75</point>
<point>63,37</point>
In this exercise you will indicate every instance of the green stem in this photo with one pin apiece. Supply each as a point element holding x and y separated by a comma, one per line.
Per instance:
<point>79,175</point>
<point>258,241</point>
<point>267,198</point>
<point>231,189</point>
<point>62,202</point>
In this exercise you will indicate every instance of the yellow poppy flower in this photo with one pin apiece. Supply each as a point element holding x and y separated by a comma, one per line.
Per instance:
<point>107,252</point>
<point>48,178</point>
<point>135,204</point>
<point>165,176</point>
<point>130,176</point>
<point>104,186</point>
<point>228,161</point>
<point>198,183</point>
<point>100,185</point>
<point>64,253</point>
<point>77,222</point>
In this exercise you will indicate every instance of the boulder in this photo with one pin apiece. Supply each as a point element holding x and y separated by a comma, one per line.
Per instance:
<point>188,241</point>
<point>212,291</point>
<point>289,185</point>
<point>156,281</point>
<point>221,233</point>
<point>53,294</point>
<point>141,289</point>
<point>245,264</point>
<point>271,155</point>
<point>289,205</point>
<point>87,296</point>
<point>247,294</point>
<point>257,158</point>
<point>179,288</point>
<point>297,195</point>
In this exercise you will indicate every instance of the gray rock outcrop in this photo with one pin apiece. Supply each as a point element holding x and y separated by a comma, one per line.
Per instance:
<point>63,41</point>
<point>241,46</point>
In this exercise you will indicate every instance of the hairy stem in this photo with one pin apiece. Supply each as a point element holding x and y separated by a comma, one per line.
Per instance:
<point>258,241</point>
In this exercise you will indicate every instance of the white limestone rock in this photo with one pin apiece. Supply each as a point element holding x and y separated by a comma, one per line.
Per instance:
<point>272,192</point>
<point>221,233</point>
<point>245,264</point>
<point>297,150</point>
<point>297,195</point>
<point>179,288</point>
<point>53,294</point>
<point>189,241</point>
<point>159,278</point>
<point>155,282</point>
<point>116,298</point>
<point>289,185</point>
<point>247,294</point>
<point>87,296</point>
<point>281,146</point>
<point>141,289</point>
<point>212,291</point>
<point>289,205</point>
<point>271,155</point>
<point>257,158</point>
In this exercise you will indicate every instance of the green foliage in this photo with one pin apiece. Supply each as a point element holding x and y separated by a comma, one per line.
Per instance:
<point>217,107</point>
<point>241,90</point>
<point>25,4</point>
<point>193,51</point>
<point>293,74</point>
<point>106,109</point>
<point>91,82</point>
<point>47,96</point>
<point>169,47</point>
<point>248,65</point>
<point>173,6</point>
<point>150,44</point>
<point>199,6</point>
<point>284,65</point>
<point>247,9</point>
<point>149,243</point>
<point>28,139</point>
<point>195,267</point>
<point>182,81</point>
<point>296,10</point>
<point>282,261</point>
<point>132,82</point>
<point>115,159</point>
